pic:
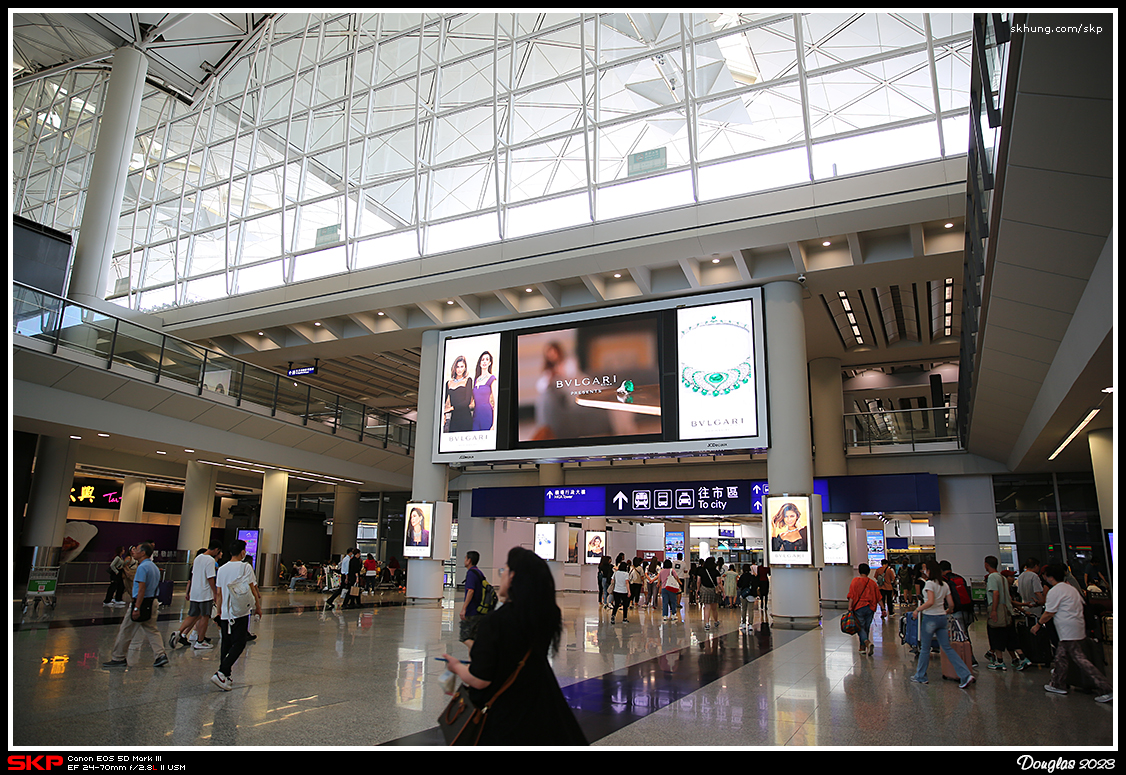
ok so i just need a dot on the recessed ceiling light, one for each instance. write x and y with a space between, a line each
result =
949 225
715 260
161 452
189 450
617 274
826 243
317 323
527 290
76 437
104 435
1109 389
450 301
379 313
260 333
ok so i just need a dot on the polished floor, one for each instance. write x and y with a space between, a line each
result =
369 677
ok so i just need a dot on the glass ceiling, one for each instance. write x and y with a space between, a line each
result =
341 142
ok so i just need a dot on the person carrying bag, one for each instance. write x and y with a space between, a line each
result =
864 598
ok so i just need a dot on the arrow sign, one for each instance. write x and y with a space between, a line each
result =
620 500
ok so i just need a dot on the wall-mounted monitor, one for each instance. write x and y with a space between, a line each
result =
787 522
671 376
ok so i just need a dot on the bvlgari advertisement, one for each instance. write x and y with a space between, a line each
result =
835 541
787 519
599 380
417 540
468 393
717 387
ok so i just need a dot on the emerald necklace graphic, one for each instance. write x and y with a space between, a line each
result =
715 381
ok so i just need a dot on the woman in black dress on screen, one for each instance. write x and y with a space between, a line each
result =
459 397
533 710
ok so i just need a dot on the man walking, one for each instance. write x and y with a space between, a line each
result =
474 586
200 595
355 567
236 595
141 614
1064 607
1002 633
345 561
885 576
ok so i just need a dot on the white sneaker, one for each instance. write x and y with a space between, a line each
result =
119 604
1105 697
222 681
201 646
1054 690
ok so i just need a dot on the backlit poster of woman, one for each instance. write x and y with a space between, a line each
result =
416 536
788 523
467 394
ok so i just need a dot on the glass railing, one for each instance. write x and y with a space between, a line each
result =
909 430
66 325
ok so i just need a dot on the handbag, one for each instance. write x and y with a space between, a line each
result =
672 583
850 625
462 722
354 590
146 610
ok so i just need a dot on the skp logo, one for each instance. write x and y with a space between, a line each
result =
16 762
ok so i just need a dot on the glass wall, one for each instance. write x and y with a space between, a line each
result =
1052 517
343 141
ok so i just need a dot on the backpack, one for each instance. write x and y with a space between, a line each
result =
488 600
960 591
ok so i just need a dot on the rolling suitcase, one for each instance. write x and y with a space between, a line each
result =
963 650
163 591
1037 648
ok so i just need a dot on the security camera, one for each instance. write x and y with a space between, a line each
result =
801 279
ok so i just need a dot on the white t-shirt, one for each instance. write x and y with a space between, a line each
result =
1067 604
940 591
231 573
621 582
203 568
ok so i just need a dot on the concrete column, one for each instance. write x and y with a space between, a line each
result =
794 598
1102 461
199 504
430 480
965 531
271 521
345 519
133 499
102 210
826 397
49 500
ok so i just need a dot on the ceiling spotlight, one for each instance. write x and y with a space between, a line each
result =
826 243
189 450
160 452
715 260
450 301
379 313
104 435
949 225
261 333
76 437
617 274
527 290
317 323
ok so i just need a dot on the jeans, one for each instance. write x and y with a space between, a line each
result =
864 616
935 627
668 603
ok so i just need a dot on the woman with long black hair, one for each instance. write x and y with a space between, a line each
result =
529 626
709 594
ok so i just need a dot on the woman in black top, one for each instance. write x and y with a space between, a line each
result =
533 710
605 576
459 397
709 596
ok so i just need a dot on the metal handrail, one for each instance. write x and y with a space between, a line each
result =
914 427
40 315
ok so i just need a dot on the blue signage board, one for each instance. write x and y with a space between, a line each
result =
578 501
654 499
759 491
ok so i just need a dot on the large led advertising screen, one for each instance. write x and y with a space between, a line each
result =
716 371
670 376
471 369
589 381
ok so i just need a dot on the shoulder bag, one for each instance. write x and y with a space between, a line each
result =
462 722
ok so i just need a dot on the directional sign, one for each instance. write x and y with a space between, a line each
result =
679 498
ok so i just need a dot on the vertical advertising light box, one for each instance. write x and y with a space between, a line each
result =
595 547
835 541
545 540
417 537
787 522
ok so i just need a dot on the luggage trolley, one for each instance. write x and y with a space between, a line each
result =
42 586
